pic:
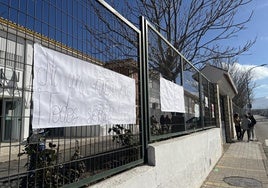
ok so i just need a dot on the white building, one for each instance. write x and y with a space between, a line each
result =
15 66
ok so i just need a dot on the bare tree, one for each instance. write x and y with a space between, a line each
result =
109 39
243 80
197 27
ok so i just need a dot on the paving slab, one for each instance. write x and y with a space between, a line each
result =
242 165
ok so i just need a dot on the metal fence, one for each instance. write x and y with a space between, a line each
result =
166 63
90 32
85 30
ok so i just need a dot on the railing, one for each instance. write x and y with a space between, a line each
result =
89 32
166 63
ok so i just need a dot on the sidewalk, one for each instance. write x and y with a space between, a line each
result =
242 165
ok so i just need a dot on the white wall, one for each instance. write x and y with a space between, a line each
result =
182 162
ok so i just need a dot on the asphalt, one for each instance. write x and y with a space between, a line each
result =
243 164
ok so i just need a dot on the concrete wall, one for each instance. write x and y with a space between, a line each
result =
180 162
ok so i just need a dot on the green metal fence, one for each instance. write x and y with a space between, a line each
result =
88 32
164 62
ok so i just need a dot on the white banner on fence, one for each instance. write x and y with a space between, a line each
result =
70 92
171 97
196 110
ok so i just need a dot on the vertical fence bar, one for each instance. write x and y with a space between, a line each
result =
144 87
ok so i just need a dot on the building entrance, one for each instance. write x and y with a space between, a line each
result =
10 119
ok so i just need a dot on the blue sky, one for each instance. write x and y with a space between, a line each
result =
258 54
257 27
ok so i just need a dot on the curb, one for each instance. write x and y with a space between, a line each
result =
264 158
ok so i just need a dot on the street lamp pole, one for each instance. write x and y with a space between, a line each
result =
249 105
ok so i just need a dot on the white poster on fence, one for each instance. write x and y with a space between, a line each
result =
196 110
70 92
206 102
171 97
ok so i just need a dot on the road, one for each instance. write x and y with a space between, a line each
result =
261 131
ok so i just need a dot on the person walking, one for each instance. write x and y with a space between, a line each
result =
252 125
245 126
237 123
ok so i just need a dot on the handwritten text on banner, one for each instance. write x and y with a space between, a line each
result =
70 92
